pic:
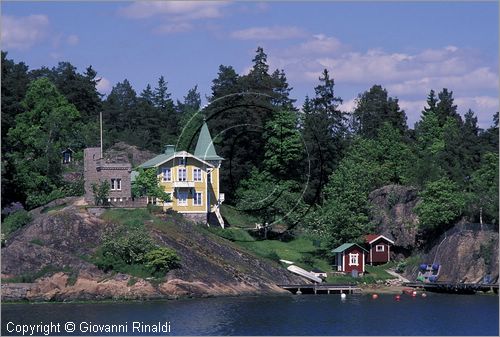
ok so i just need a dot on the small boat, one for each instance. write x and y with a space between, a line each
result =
304 273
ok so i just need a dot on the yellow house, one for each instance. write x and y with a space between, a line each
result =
192 180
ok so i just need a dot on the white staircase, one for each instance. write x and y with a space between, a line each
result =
219 217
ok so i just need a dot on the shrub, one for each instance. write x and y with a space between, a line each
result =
129 246
15 221
101 193
38 199
161 260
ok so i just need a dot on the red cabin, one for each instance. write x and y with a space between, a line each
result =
379 249
350 257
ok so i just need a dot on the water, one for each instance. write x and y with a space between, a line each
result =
437 314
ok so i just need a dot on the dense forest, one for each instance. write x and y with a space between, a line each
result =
311 166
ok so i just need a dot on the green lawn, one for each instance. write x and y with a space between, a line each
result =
237 218
132 218
301 250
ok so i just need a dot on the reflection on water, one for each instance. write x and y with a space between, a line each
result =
286 315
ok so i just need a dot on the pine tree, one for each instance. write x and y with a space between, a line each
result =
445 108
191 119
374 108
324 132
168 118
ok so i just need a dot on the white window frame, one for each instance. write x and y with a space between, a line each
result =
195 199
380 248
168 177
179 173
185 202
116 184
353 259
182 161
197 169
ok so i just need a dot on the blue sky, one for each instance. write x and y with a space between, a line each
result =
408 48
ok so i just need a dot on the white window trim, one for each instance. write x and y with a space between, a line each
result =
179 199
380 248
179 173
201 174
182 161
114 181
163 174
201 199
353 259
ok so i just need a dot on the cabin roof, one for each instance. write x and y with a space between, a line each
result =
163 158
371 238
205 146
346 246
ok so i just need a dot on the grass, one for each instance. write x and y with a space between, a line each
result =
132 218
53 209
372 275
301 250
232 234
237 218
37 241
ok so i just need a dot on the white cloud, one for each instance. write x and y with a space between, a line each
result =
72 40
104 86
410 74
318 44
23 32
480 78
348 105
268 33
174 10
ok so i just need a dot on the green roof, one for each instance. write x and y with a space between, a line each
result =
345 246
205 147
156 160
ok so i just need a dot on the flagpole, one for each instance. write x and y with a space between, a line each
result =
100 118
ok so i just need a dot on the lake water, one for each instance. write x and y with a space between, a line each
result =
437 314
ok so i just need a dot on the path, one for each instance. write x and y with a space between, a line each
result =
393 273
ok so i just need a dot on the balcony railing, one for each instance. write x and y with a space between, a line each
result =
183 183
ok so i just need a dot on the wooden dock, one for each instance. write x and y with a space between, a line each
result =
321 288
453 288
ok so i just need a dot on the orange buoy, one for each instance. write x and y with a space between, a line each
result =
374 296
397 297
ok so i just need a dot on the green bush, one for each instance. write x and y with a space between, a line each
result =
75 188
38 199
161 260
130 246
101 193
400 267
132 251
15 221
